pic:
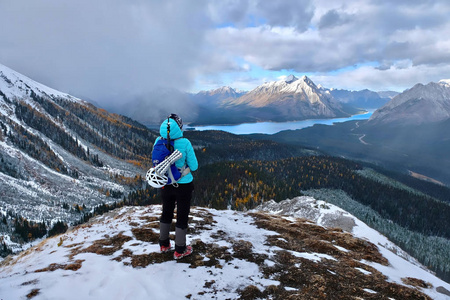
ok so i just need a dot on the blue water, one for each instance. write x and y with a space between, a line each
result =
274 127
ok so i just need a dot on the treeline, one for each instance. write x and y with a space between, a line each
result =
42 123
35 147
245 184
431 251
437 191
115 134
28 230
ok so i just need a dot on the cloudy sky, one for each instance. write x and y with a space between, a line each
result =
106 50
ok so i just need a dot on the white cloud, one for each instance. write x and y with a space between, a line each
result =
399 35
400 76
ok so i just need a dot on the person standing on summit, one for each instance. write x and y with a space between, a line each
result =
177 193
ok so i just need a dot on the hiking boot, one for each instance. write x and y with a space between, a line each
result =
165 249
187 251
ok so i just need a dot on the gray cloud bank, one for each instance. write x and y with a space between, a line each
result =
127 55
351 33
108 50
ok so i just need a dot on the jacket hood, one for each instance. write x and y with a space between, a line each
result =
175 131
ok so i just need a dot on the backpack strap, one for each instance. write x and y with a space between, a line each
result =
172 179
169 147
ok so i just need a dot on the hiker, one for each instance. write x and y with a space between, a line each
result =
177 193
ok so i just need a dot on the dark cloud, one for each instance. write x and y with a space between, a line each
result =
251 13
114 51
151 108
295 13
229 12
384 65
106 50
333 18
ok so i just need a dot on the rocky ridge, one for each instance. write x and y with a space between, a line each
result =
422 104
254 255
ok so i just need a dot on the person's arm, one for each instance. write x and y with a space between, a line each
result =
191 159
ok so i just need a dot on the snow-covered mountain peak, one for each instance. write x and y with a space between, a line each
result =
290 84
291 98
290 79
445 82
15 85
224 89
221 89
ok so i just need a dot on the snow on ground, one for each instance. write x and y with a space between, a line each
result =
99 278
116 256
326 214
14 84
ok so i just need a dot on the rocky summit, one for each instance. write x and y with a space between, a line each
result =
237 255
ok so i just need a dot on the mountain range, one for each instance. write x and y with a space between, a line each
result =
287 99
410 133
364 99
290 99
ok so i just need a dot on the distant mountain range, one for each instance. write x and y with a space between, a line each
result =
217 97
410 133
364 99
283 100
288 99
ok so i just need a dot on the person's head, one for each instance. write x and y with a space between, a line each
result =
177 120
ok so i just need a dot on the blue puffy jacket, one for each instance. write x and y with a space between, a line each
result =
183 145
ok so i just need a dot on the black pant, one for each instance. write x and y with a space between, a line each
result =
181 196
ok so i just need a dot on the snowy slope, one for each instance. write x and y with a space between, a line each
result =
56 154
329 215
421 104
16 85
249 255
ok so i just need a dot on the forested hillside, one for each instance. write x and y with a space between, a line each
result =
216 146
60 158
